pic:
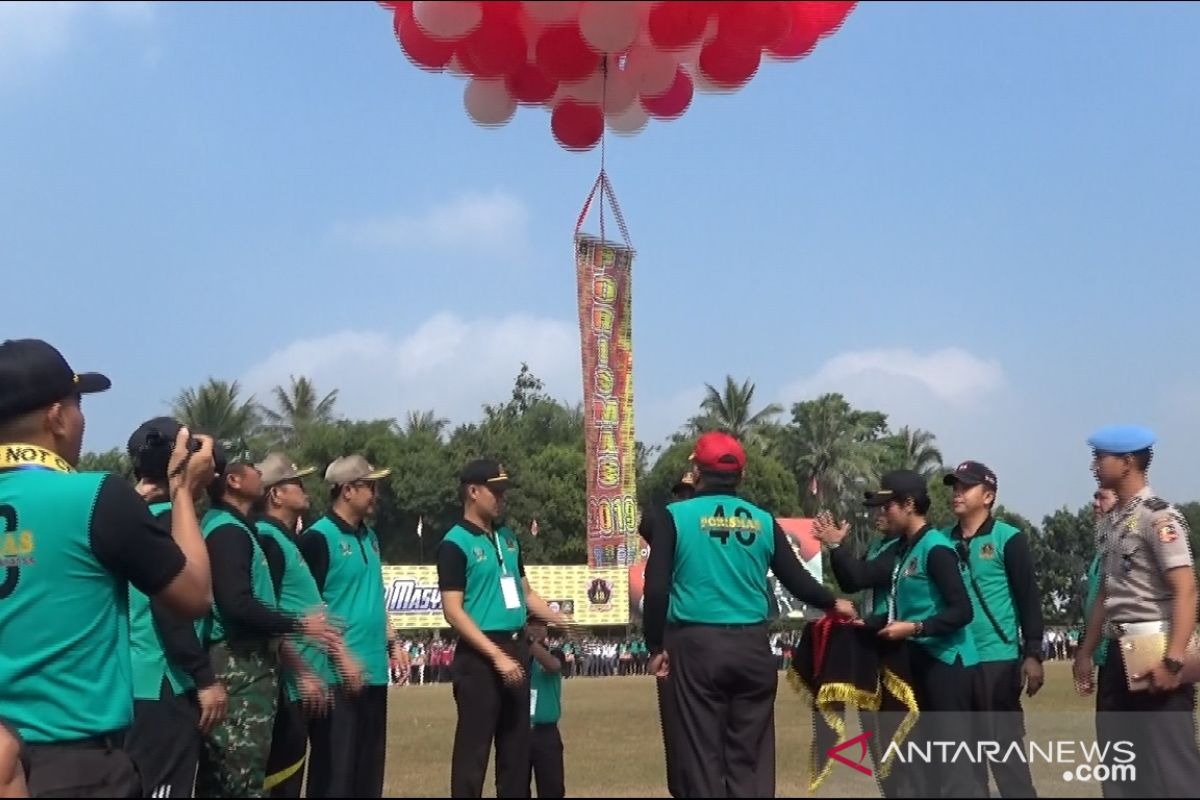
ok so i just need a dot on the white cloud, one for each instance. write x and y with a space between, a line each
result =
473 221
448 364
953 376
32 33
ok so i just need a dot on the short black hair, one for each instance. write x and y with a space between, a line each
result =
921 504
720 481
1142 459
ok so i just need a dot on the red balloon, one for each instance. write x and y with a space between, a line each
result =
673 102
496 48
577 126
676 26
528 84
754 24
826 16
425 52
563 54
727 65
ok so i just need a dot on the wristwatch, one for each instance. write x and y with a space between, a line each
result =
918 628
1173 666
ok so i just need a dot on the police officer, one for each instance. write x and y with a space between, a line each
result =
870 574
349 744
1148 588
1007 622
707 578
177 697
243 635
309 675
72 540
485 599
929 606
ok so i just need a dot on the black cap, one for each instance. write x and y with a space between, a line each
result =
971 473
33 375
899 485
151 445
485 472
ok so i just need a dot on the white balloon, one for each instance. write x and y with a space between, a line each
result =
628 122
588 90
610 26
488 102
455 66
703 85
620 92
551 10
651 70
447 19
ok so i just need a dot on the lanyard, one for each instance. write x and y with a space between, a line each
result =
19 456
500 554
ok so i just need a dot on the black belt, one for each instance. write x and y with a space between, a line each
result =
503 636
114 740
722 625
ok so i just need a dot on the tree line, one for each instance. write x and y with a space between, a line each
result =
819 455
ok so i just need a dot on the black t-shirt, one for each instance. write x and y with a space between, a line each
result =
129 542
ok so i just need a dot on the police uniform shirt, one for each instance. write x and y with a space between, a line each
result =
70 541
1143 541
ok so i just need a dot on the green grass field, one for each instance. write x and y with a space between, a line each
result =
614 747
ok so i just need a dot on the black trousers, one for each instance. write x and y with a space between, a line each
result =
546 760
1154 733
164 742
289 746
490 711
95 768
882 725
349 746
996 701
724 683
944 697
669 722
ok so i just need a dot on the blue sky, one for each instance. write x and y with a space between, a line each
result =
980 218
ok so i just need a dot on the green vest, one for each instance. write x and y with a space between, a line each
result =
985 570
146 654
487 562
354 596
877 599
1094 577
298 597
545 695
917 598
64 618
260 574
723 548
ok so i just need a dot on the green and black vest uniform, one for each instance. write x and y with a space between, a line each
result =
298 597
488 560
723 548
995 625
916 598
147 653
1095 576
345 564
545 692
871 574
217 629
70 545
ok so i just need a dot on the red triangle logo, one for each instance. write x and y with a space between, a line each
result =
835 752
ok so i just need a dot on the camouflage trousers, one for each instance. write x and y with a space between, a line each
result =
233 759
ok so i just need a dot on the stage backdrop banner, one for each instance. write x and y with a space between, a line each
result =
603 273
585 596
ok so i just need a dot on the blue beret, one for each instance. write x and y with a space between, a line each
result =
1120 439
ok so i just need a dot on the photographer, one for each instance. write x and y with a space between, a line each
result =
176 696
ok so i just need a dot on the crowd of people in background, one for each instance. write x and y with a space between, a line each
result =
430 657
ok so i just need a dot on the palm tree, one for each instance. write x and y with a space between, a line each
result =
731 410
297 407
215 409
425 422
918 452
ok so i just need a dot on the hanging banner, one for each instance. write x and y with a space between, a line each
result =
603 275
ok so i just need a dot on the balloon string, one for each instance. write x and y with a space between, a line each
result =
603 137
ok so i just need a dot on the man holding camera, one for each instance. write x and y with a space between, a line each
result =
79 540
176 694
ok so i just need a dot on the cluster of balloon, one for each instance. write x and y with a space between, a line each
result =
609 63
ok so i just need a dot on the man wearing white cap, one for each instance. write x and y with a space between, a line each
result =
349 745
309 673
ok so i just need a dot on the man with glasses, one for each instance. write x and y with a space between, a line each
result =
349 745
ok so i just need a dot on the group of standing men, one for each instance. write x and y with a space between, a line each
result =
152 653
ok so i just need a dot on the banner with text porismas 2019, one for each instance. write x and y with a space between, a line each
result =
603 273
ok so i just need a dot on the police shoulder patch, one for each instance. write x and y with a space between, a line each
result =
1167 534
1157 504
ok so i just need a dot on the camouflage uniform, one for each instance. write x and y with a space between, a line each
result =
233 760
